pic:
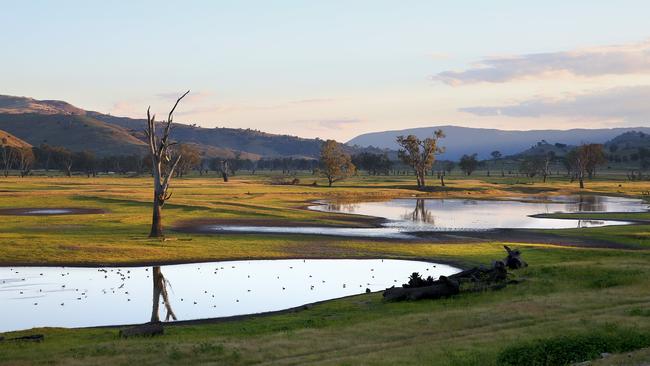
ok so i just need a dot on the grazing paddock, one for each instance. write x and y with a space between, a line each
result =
566 291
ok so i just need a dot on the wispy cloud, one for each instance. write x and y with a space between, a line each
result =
311 101
586 62
630 104
333 124
193 96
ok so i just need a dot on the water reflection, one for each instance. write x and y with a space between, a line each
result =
80 297
470 214
339 206
160 284
420 213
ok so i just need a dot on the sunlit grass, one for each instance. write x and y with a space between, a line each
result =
565 290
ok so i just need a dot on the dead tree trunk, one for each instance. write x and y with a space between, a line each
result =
160 289
162 165
224 170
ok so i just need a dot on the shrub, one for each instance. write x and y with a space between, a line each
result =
568 349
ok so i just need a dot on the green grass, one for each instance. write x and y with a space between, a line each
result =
565 291
569 349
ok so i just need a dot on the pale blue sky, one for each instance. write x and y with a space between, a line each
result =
329 68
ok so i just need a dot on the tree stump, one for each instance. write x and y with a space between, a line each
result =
513 260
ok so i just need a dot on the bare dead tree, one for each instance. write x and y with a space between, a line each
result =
162 165
160 289
8 156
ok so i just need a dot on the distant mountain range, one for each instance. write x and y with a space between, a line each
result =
466 140
60 123
27 121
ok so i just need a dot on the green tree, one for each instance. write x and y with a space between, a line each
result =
420 154
336 164
468 164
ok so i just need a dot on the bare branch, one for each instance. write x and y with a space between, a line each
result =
171 113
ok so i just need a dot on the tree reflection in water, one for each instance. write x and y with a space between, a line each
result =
160 289
340 206
420 214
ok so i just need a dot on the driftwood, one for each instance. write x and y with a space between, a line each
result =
144 330
443 287
471 280
513 260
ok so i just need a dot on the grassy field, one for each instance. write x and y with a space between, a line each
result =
566 290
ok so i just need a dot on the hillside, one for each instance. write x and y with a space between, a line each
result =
60 123
543 148
466 140
629 142
8 139
235 139
75 132
20 105
628 150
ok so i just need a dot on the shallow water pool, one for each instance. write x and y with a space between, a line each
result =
82 297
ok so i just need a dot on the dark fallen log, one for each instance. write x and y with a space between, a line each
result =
496 273
444 287
471 280
144 330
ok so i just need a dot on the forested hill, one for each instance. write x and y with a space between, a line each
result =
62 124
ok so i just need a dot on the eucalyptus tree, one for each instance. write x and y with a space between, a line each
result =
163 165
420 154
336 163
468 164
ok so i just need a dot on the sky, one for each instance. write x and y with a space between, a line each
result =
336 69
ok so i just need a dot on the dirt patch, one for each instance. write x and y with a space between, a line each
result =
50 211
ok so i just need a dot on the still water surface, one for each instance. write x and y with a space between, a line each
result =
81 297
408 215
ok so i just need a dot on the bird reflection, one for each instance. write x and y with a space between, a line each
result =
160 284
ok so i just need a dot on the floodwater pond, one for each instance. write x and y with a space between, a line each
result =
82 297
409 215
49 211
